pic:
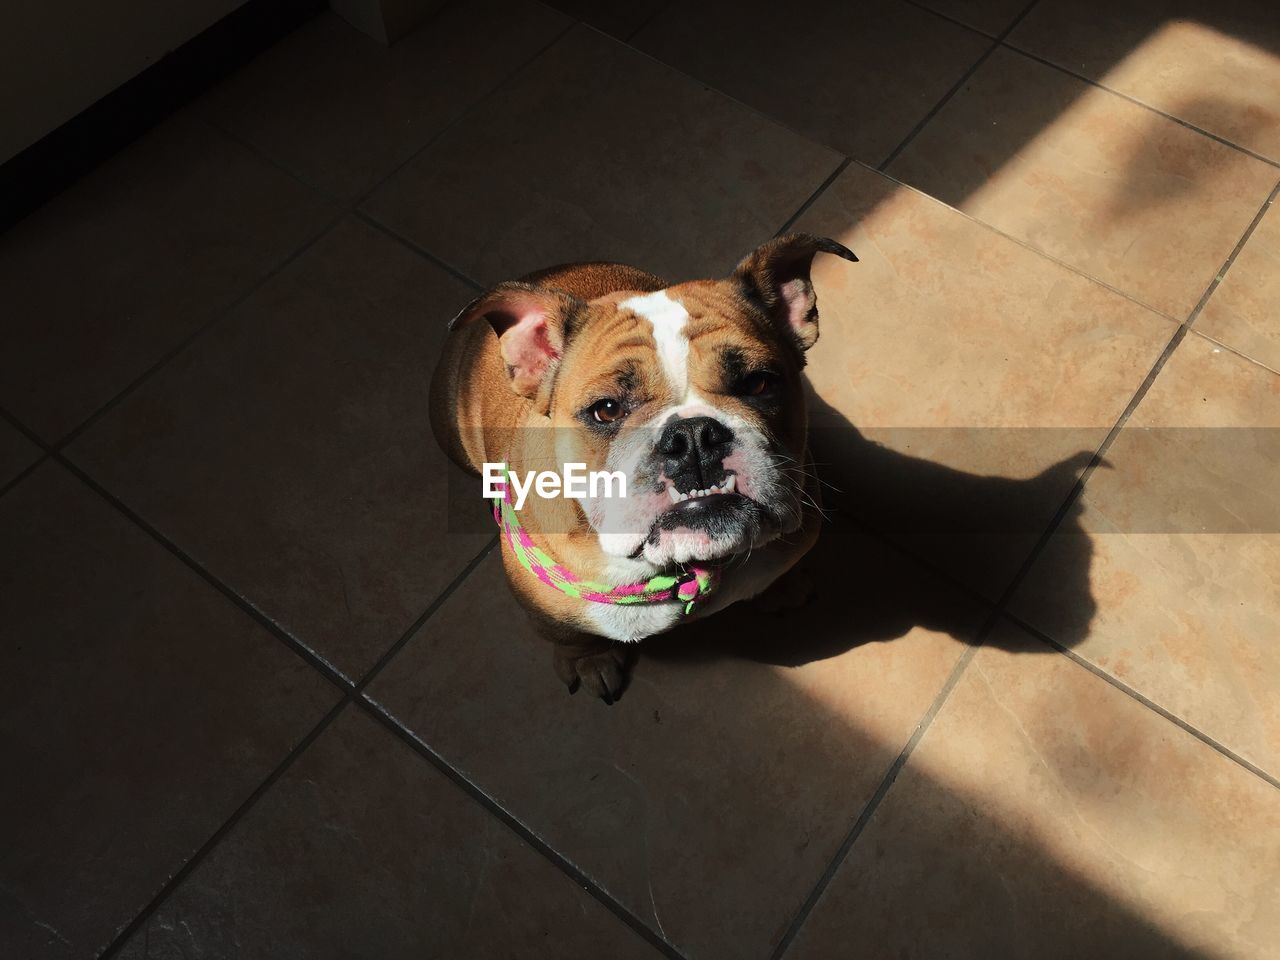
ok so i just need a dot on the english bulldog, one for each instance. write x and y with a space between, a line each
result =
691 393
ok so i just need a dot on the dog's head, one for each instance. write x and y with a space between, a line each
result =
692 392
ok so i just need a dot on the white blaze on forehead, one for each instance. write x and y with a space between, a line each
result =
668 318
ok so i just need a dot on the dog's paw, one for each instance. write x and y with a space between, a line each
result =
602 671
790 591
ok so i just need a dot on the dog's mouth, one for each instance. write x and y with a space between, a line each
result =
727 486
728 517
700 510
712 507
708 519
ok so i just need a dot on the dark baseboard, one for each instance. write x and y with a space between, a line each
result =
53 163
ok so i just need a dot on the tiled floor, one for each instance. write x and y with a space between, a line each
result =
265 695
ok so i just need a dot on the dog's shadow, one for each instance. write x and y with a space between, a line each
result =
888 511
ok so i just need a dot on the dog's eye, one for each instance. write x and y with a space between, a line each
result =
607 410
756 384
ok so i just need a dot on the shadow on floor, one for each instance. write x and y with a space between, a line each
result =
978 529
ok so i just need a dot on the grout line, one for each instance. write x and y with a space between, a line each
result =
23 429
1022 243
6 487
659 10
1099 457
350 693
207 117
474 791
936 108
813 197
868 811
773 121
34 439
426 615
1123 687
354 205
330 672
706 85
349 208
392 234
906 552
1139 103
950 19
207 847
195 335
448 127
956 88
1231 257
1001 39
850 161
616 907
260 154
1235 351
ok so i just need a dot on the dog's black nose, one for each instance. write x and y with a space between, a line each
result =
693 449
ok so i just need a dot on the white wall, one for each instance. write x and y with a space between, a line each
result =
59 56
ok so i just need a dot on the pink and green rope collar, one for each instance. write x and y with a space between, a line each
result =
688 586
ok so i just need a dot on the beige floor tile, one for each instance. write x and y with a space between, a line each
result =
16 453
711 796
1108 187
857 77
341 110
989 16
288 449
1244 312
987 374
1184 529
595 152
1216 65
363 849
138 709
1047 814
103 281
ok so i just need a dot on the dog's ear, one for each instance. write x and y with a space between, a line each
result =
531 324
776 276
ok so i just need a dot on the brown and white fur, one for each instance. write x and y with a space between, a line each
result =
693 388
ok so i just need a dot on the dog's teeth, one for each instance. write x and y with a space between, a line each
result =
728 485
